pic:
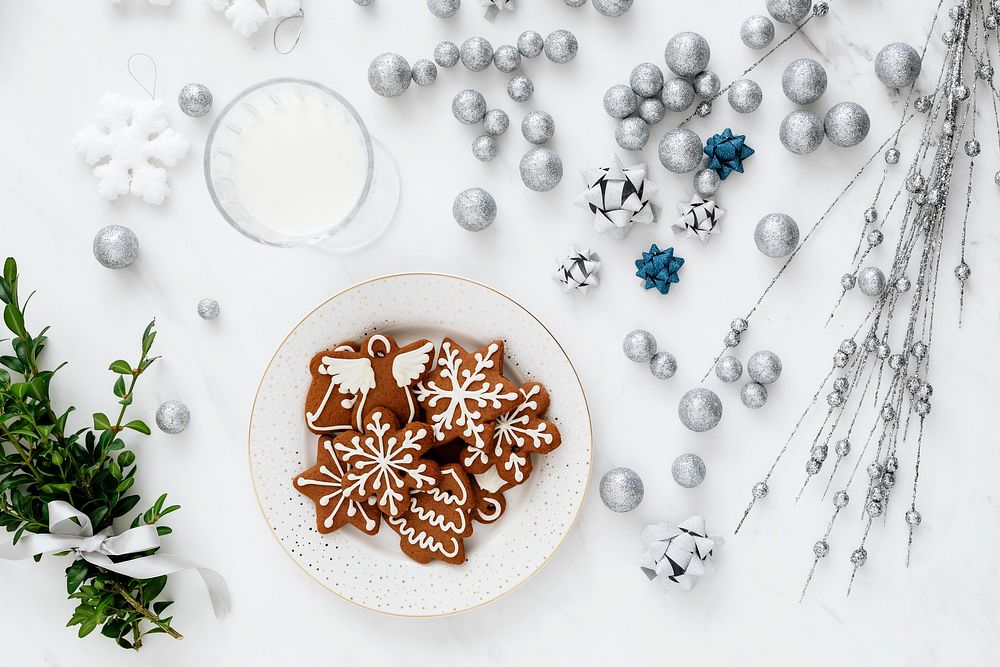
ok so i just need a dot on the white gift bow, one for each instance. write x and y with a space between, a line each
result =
71 530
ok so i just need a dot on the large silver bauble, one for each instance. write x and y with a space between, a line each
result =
541 169
652 110
789 11
208 309
706 182
507 58
620 101
612 8
476 53
173 417
764 367
847 124
757 32
632 134
496 122
804 81
115 246
677 94
621 490
871 281
469 106
520 88
538 127
753 395
474 209
485 147
687 54
646 80
530 44
389 75
707 84
688 470
561 46
663 365
681 150
776 235
801 132
700 409
424 72
728 369
639 345
446 54
745 96
195 99
444 9
897 65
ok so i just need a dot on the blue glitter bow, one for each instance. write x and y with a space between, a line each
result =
727 153
658 268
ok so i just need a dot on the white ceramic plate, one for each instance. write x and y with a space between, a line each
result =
371 571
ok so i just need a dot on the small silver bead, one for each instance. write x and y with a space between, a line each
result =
821 8
841 384
922 407
873 508
963 272
876 493
874 471
848 281
891 464
961 92
871 214
923 104
835 399
913 518
949 36
972 148
985 71
915 183
821 549
956 13
819 453
208 309
871 343
843 447
892 156
859 556
991 21
840 499
888 480
732 339
935 197
840 359
848 346
913 384
703 109
760 490
882 351
925 391
875 238
888 413
919 350
948 128
739 325
812 467
903 284
729 369
897 362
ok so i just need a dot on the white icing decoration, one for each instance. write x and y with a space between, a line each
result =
419 537
513 431
339 378
335 482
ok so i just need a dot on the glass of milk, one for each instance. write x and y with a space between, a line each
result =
289 162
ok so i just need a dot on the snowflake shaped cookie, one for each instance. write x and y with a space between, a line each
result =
437 521
247 16
129 145
386 462
517 435
465 392
324 485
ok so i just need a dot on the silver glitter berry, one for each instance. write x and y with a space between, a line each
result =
115 246
949 36
485 148
538 127
874 508
892 156
972 148
963 272
732 339
871 281
848 346
859 556
891 464
704 109
496 122
757 32
677 94
663 365
706 182
632 134
882 351
922 407
681 150
561 46
745 96
843 448
208 309
871 215
507 58
389 75
520 88
530 44
871 343
739 324
646 80
729 369
821 549
819 453
961 92
897 362
789 11
612 8
652 110
840 499
753 395
687 54
923 104
173 417
875 238
444 9
888 479
424 72
903 284
469 106
991 21
764 367
804 81
688 470
812 467
474 209
919 350
541 169
835 399
700 409
446 54
985 72
621 490
195 99
707 84
846 124
840 359
801 132
821 8
925 391
575 3
760 490
897 65
913 518
776 235
874 470
620 101
888 412
639 345
476 53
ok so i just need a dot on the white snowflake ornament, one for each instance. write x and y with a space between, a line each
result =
699 218
247 16
577 271
619 197
129 145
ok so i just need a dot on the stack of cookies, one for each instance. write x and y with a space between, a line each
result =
405 431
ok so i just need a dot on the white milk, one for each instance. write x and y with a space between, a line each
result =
300 167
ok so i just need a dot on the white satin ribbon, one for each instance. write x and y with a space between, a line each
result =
71 530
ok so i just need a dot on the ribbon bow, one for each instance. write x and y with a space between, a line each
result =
71 530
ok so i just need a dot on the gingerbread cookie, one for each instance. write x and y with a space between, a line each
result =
437 521
324 485
328 410
465 392
386 462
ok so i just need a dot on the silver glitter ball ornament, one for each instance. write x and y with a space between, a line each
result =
538 127
663 365
507 59
208 309
115 246
875 238
757 32
892 156
848 346
469 106
846 124
474 209
485 147
476 53
646 80
424 72
688 470
913 384
972 148
843 448
859 557
195 99
841 499
632 134
677 94
541 169
801 132
639 345
575 3
760 490
444 9
888 412
776 235
446 54
520 88
621 490
389 75
700 409
821 549
963 272
496 122
871 281
612 8
707 84
173 417
687 54
530 44
728 369
652 110
753 395
764 367
897 65
871 343
804 81
888 479
620 101
739 325
789 11
956 13
706 182
745 96
704 109
561 46
681 150
913 518
925 390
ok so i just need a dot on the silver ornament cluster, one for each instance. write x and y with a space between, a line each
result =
640 346
621 489
195 99
115 247
173 417
474 209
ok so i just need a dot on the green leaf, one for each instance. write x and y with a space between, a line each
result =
138 425
76 574
152 588
124 505
126 458
121 367
120 389
101 422
164 530
160 607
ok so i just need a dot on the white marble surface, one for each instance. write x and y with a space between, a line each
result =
590 604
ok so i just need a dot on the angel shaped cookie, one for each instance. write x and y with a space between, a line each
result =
324 485
437 521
